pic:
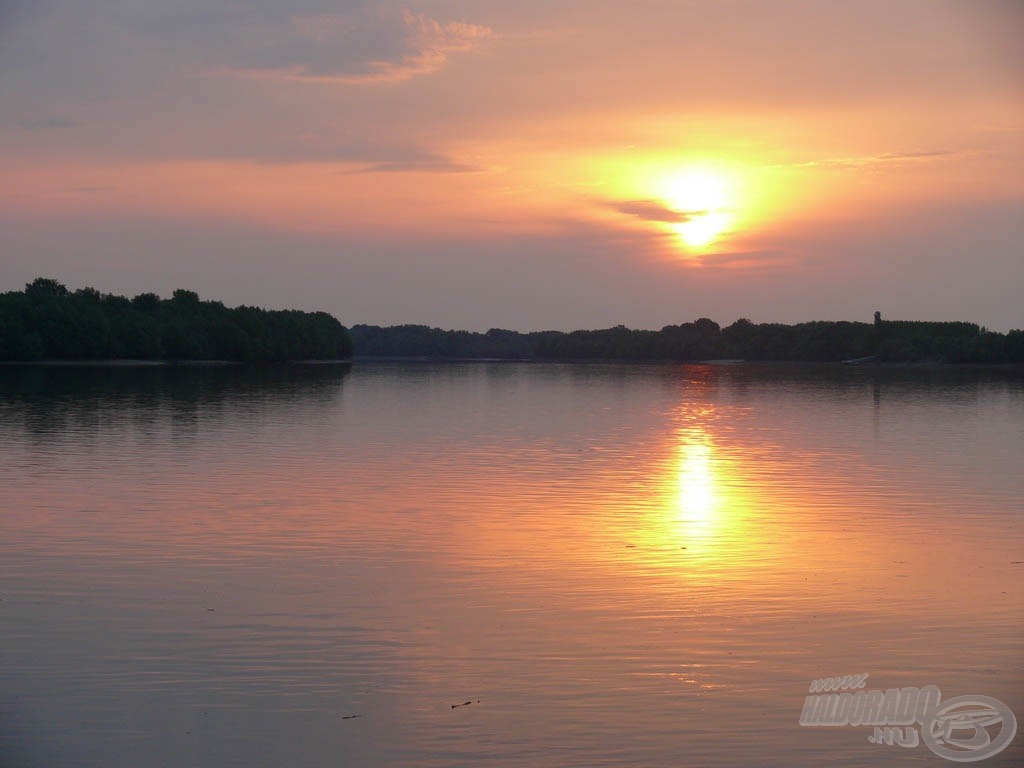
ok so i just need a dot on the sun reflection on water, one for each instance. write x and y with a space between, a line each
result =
701 511
698 515
697 499
704 521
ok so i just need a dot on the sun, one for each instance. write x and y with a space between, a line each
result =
702 199
703 229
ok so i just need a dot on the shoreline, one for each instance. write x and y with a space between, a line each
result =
130 363
656 361
427 359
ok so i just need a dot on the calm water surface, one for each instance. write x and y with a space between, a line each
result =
617 565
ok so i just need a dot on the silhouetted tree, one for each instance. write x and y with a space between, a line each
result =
45 287
47 321
703 339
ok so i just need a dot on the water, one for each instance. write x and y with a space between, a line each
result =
617 565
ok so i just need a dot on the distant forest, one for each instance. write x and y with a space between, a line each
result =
888 341
46 321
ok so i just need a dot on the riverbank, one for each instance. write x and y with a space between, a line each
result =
130 363
426 359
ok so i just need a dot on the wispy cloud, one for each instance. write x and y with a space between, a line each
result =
765 259
438 165
47 124
388 49
654 210
873 161
90 190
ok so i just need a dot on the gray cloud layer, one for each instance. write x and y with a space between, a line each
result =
354 48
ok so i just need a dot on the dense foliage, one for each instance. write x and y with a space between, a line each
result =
705 340
47 321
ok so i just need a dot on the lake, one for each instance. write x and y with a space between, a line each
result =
500 564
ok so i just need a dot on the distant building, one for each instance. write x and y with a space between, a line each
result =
926 328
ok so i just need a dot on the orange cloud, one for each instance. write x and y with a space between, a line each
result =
874 161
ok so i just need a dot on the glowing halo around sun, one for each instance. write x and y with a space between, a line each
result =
694 206
702 197
703 229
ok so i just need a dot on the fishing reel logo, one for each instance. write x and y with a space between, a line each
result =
960 729
963 729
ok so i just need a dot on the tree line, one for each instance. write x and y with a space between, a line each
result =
48 321
704 339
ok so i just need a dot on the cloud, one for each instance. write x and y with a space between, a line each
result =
356 48
654 210
914 155
747 259
433 165
47 124
873 161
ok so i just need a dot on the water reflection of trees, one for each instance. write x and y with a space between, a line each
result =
49 401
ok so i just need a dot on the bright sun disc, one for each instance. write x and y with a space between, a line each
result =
704 229
703 198
697 191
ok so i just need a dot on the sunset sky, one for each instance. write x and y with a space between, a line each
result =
528 165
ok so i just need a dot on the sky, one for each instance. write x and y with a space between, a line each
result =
530 165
